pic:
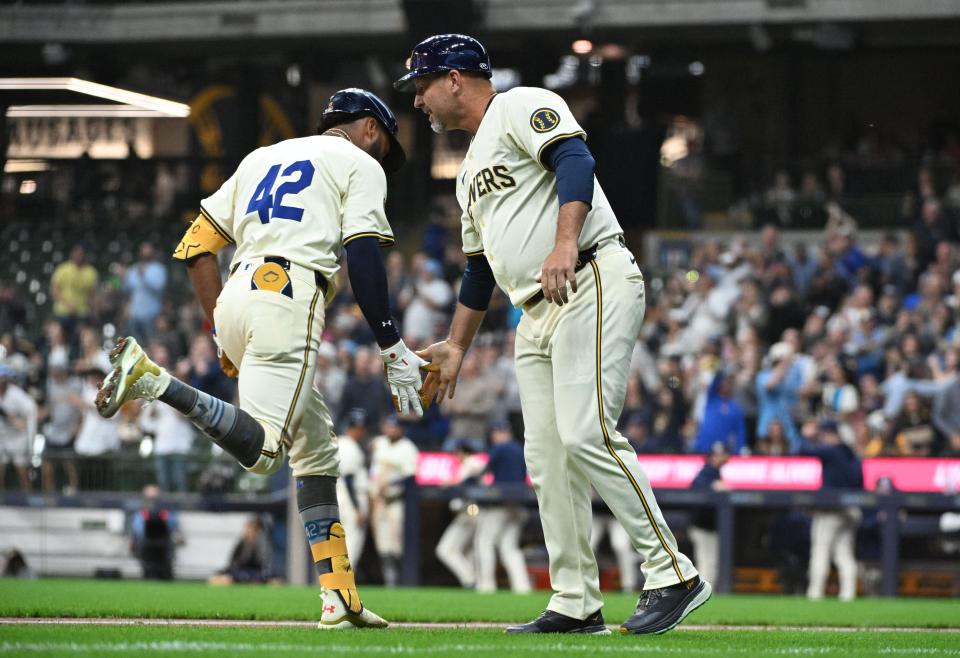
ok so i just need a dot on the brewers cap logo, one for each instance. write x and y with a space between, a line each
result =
544 120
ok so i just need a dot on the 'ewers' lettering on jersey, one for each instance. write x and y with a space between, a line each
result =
490 179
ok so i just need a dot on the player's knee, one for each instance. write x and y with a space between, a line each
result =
273 453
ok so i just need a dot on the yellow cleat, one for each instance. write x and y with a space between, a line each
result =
134 377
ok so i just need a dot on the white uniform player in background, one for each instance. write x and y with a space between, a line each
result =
626 555
393 459
290 208
353 489
455 547
18 426
536 222
501 523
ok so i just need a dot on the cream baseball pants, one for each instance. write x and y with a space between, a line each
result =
572 367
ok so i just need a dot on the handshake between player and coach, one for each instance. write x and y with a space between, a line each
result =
411 393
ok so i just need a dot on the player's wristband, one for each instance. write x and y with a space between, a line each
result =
368 278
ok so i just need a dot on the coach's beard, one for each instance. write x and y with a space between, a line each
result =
437 125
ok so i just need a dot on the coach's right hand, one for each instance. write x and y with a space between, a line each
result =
403 376
445 359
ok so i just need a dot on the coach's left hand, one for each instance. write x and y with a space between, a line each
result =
558 269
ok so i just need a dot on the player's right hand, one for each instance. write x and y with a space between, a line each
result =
445 359
403 375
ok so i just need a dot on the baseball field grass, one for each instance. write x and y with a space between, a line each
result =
114 618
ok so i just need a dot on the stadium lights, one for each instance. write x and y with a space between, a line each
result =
25 166
160 106
582 46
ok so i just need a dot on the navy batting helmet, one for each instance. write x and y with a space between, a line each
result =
445 52
349 104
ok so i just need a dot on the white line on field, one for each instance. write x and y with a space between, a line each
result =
402 649
260 623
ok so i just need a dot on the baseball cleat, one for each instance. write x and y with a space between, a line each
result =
336 616
660 610
134 377
553 622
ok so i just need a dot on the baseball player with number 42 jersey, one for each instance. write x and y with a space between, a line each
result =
290 208
536 222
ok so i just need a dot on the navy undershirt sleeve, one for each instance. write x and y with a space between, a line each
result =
368 278
574 166
477 284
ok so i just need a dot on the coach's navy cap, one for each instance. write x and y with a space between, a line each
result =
445 52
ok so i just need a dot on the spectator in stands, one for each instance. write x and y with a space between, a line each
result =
18 426
427 302
809 211
912 432
97 438
836 183
931 229
251 560
201 369
841 400
167 335
397 279
477 397
55 348
71 288
154 536
92 355
833 531
330 378
775 443
393 462
703 527
501 523
172 435
669 415
365 389
144 282
704 312
946 416
778 386
828 287
506 372
723 420
784 312
61 417
779 199
13 312
892 265
803 265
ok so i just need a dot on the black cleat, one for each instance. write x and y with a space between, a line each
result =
659 610
553 622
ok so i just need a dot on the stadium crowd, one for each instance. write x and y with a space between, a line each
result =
757 344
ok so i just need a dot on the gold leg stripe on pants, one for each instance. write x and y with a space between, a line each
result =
306 363
606 434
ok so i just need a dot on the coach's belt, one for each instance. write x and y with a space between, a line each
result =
584 258
318 278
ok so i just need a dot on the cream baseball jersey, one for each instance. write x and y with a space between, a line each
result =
509 196
302 199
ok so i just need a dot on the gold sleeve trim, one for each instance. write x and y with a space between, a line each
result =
473 253
554 140
219 229
383 238
201 237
